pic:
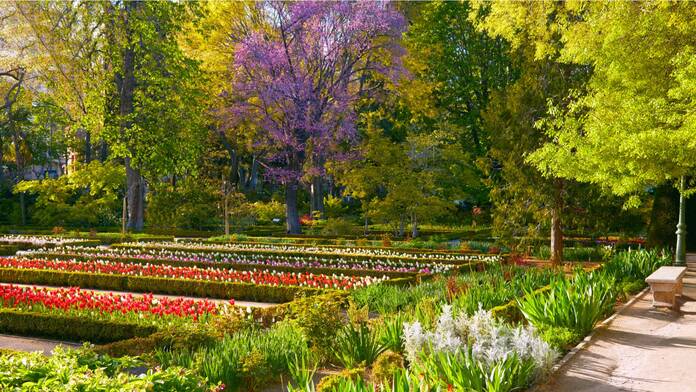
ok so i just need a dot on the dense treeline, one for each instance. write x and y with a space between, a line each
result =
220 115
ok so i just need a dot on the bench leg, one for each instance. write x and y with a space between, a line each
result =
664 299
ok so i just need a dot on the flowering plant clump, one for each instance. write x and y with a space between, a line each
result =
84 301
38 240
268 260
273 278
315 250
489 340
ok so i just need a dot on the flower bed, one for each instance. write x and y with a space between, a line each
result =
32 240
244 261
74 298
266 277
270 250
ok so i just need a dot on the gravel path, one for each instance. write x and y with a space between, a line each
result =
643 349
237 303
19 343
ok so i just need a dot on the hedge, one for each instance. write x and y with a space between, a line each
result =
70 328
234 266
157 285
9 250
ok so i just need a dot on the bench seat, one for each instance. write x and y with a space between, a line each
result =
666 284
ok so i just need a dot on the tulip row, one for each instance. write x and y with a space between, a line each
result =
83 302
305 251
273 278
231 259
38 240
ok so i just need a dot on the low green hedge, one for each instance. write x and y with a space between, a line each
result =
149 284
70 328
234 266
9 250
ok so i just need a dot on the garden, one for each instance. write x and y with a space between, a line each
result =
348 196
154 314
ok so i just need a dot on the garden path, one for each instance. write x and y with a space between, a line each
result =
243 304
20 343
643 349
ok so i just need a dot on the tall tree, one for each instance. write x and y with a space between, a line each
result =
155 124
299 79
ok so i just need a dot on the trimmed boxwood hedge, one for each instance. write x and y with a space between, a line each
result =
70 328
150 284
234 266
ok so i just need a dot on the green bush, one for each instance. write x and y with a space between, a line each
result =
88 196
150 284
560 338
70 328
338 227
191 204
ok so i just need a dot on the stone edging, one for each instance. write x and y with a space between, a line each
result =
586 341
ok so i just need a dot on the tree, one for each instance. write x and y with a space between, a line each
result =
522 193
154 123
633 128
298 80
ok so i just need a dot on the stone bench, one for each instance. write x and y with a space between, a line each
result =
666 284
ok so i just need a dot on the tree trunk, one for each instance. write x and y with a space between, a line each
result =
414 226
317 197
402 226
292 215
663 217
19 163
136 198
88 146
126 83
254 175
556 225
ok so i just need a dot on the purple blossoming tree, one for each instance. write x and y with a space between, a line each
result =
299 76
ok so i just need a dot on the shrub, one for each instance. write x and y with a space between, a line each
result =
319 318
338 227
560 338
386 366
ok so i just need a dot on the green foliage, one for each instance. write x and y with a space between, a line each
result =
302 368
463 372
69 327
191 204
391 331
338 227
386 366
82 370
320 319
577 304
596 254
357 346
88 196
561 338
633 266
265 212
247 358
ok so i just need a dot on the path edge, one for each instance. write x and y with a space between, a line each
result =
587 340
